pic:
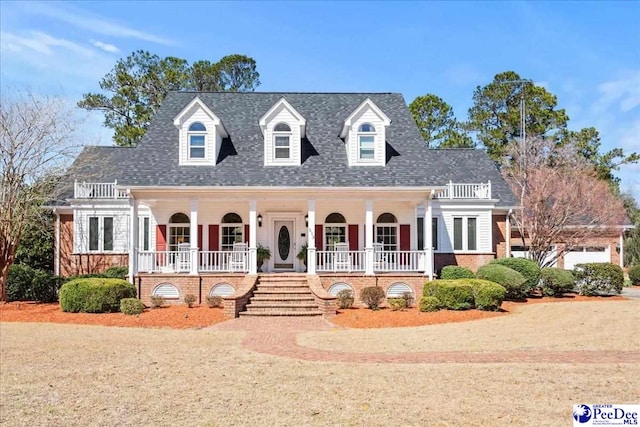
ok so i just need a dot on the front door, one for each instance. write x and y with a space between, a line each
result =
284 253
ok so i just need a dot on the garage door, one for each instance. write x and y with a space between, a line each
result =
584 254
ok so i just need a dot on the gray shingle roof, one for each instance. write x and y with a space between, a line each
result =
241 163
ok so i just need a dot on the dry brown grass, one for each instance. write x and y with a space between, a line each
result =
53 374
601 325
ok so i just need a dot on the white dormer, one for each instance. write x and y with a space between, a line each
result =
364 133
200 134
283 129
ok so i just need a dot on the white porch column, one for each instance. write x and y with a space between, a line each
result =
428 238
193 237
368 237
253 237
311 237
133 237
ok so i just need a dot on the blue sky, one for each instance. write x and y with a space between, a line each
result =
586 53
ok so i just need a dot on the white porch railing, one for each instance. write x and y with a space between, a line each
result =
333 261
467 191
98 190
399 261
180 261
164 262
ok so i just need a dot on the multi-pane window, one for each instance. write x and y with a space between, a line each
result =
387 232
366 142
197 136
335 230
179 232
231 231
101 233
465 234
282 141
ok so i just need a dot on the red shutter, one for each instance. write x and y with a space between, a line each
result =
161 237
199 237
405 237
319 237
214 237
246 233
353 237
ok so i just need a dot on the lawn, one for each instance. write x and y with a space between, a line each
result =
57 374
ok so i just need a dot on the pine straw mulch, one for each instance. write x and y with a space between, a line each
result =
200 316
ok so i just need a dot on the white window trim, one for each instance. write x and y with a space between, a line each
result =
281 134
141 233
204 147
389 225
221 234
100 249
465 234
324 233
359 135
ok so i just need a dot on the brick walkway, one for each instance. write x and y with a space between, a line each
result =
277 337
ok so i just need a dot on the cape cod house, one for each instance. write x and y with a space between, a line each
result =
218 176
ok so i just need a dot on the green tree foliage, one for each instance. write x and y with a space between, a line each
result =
134 89
437 124
36 243
495 114
632 240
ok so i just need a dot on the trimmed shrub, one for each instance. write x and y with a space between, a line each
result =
31 284
450 272
344 299
429 304
487 296
131 306
116 273
528 268
634 275
452 294
157 301
95 295
372 296
556 281
510 279
190 300
595 277
214 301
397 303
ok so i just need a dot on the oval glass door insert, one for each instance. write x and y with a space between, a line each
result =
284 242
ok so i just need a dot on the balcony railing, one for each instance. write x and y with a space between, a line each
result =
466 191
98 190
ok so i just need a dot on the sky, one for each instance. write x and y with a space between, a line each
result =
586 53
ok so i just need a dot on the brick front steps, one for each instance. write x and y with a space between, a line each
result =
282 295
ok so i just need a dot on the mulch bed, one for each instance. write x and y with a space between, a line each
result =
182 317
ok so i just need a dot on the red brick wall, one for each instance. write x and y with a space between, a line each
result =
499 235
186 284
360 281
472 261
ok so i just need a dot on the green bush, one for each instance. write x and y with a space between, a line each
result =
131 306
213 301
372 296
345 299
529 269
31 284
595 277
510 279
116 272
634 275
95 295
190 300
487 296
556 281
452 294
429 304
157 301
450 272
397 303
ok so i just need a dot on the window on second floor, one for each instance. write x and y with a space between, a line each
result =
197 140
366 142
282 141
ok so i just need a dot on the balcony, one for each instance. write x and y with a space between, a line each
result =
480 191
98 190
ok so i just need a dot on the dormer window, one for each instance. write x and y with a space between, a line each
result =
366 142
282 141
197 137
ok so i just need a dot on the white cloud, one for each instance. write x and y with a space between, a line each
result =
40 43
105 46
96 24
623 92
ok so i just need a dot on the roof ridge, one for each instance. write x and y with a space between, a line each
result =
287 92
